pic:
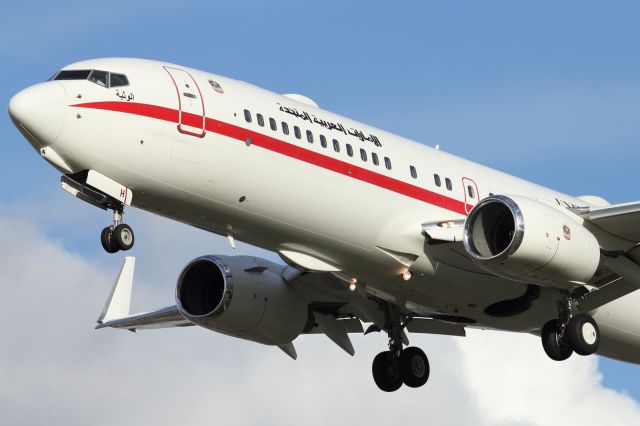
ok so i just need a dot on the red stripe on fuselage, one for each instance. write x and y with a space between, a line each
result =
285 148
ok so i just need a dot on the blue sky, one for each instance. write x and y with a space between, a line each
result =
548 91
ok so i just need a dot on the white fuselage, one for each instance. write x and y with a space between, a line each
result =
180 140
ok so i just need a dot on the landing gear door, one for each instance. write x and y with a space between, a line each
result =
191 119
471 195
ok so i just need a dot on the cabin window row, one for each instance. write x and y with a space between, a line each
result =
447 182
309 136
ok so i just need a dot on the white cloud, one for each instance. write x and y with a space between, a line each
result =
55 369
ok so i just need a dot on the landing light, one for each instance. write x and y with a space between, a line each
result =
448 224
352 284
406 275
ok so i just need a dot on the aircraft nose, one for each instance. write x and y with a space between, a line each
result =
38 112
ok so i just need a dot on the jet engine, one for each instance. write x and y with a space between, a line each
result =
526 240
243 297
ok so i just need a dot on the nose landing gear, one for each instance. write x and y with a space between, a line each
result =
118 236
396 366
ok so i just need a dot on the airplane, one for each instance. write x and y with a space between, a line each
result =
372 228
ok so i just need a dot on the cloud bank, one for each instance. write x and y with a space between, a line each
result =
56 369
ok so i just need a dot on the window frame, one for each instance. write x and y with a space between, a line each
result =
285 127
272 124
336 145
297 133
247 116
349 150
413 172
260 119
374 159
387 163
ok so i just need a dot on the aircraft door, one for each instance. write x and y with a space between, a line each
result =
471 195
191 119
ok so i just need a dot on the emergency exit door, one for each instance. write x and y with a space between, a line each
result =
191 120
471 196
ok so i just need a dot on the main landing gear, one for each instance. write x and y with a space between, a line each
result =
118 236
570 333
396 366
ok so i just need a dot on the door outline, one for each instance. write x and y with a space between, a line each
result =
469 182
181 124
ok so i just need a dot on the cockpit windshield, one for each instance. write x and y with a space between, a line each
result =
101 78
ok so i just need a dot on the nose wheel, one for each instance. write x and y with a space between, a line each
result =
118 236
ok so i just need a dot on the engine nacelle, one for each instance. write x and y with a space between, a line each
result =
529 241
243 297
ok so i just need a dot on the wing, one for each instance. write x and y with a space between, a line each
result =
337 311
621 220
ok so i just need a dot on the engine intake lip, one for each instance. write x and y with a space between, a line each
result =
200 295
488 252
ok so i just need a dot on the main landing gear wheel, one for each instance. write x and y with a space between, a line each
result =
583 334
396 366
385 372
413 366
555 346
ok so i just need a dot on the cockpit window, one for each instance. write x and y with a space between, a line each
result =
118 80
73 75
101 78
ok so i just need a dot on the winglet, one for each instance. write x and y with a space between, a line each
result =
119 300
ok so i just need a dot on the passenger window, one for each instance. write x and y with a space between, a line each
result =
309 136
349 150
436 178
99 77
374 158
296 131
247 116
260 120
387 163
414 173
363 154
272 124
471 191
323 141
447 182
117 80
285 128
336 145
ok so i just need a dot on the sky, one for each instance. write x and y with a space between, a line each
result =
547 91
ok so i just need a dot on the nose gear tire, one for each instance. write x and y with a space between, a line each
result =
105 240
122 237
